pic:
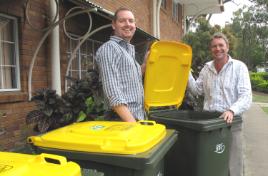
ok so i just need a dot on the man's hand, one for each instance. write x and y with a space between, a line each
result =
143 66
228 116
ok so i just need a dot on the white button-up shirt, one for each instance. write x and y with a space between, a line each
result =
230 89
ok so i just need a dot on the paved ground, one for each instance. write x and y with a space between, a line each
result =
256 141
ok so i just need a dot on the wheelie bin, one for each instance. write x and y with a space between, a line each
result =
204 144
110 148
202 148
16 164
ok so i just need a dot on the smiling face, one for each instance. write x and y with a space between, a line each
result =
124 25
219 49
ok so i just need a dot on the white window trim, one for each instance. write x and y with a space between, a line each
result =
16 45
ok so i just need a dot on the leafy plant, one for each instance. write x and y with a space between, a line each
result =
80 103
50 110
259 81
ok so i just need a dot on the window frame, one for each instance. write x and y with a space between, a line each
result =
164 4
79 56
14 33
175 11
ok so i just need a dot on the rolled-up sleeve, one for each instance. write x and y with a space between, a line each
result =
196 86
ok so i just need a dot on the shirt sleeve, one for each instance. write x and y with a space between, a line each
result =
107 61
244 91
196 86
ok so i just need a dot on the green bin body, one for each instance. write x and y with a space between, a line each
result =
149 163
203 146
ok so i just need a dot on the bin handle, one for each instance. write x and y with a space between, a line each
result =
50 158
147 122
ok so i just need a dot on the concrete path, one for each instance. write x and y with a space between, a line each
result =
256 141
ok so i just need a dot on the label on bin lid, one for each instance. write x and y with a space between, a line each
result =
166 76
103 137
18 164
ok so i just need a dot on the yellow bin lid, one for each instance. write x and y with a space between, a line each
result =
166 76
15 164
103 137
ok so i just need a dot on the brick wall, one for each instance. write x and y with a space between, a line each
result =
169 29
15 105
142 10
15 131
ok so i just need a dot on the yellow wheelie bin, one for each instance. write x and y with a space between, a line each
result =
16 164
110 148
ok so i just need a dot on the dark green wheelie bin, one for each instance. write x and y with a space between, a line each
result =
203 146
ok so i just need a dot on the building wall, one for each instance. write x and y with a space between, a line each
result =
142 9
169 29
15 105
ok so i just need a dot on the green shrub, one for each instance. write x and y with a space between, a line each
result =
263 87
81 102
265 76
259 81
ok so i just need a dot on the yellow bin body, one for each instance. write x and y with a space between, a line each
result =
103 137
15 164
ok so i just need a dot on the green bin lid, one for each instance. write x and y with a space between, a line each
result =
194 120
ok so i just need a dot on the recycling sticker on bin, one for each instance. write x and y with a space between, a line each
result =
219 148
97 127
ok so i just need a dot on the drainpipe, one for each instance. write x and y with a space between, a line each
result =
156 18
55 52
184 20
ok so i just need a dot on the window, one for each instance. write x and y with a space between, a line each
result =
84 59
164 4
9 54
176 11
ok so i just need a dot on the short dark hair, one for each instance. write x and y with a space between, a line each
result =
219 35
119 10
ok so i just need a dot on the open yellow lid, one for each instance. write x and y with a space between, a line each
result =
103 137
16 164
166 76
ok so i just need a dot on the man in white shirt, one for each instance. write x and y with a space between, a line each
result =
226 87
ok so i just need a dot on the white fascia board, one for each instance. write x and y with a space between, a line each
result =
194 9
198 1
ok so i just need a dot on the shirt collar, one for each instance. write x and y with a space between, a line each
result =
118 39
125 44
211 66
